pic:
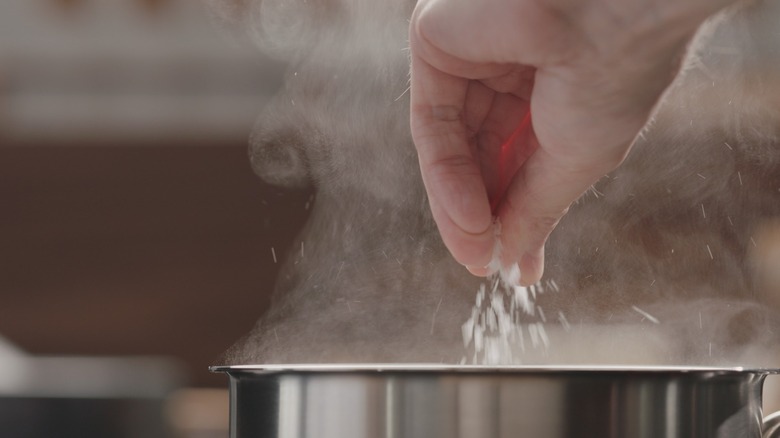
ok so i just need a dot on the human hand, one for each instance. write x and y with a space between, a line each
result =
519 106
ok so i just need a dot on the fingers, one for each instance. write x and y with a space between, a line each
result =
452 177
475 66
449 25
447 110
537 199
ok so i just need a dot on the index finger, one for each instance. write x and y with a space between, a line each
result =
451 173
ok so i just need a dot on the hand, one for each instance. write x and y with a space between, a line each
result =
519 106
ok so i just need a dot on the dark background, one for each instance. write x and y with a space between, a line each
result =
130 220
157 250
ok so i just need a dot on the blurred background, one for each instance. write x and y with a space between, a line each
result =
135 241
136 244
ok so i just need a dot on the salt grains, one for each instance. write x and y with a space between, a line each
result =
494 332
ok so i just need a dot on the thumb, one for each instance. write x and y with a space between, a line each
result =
538 197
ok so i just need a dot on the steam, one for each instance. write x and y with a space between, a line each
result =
669 260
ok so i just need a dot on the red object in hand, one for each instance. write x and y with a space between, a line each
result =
514 152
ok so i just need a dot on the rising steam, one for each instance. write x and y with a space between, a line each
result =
663 262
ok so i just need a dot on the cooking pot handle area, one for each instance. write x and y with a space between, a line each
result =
772 426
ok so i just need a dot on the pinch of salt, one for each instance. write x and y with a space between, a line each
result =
492 352
512 277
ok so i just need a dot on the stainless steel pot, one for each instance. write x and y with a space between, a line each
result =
437 401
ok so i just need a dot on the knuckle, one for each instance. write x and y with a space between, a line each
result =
457 165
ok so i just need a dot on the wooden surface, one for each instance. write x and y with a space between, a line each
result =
112 250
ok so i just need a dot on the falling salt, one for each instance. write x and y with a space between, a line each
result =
467 329
435 312
522 299
710 251
701 176
494 329
494 333
739 175
543 334
302 251
649 317
533 331
520 337
702 211
273 253
753 241
728 146
402 94
492 322
564 322
701 326
478 338
513 276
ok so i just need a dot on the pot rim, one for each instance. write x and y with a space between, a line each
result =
434 368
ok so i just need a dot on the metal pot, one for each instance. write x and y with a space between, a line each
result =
438 401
